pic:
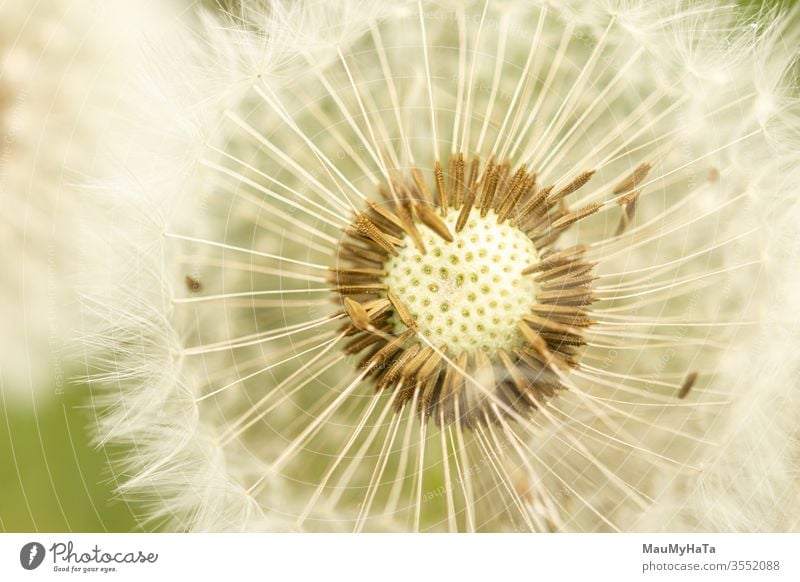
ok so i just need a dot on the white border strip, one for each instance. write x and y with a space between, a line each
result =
400 557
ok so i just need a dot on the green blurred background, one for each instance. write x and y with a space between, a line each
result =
53 479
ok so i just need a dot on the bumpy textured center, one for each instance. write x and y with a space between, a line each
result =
468 294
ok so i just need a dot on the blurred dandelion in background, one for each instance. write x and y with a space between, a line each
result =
61 65
56 98
460 266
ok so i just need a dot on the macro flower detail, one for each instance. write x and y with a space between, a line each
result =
463 276
463 266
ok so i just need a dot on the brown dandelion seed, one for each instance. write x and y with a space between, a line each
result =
688 384
193 284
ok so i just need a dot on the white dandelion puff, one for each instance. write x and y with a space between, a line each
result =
471 266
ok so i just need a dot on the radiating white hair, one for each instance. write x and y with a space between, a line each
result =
218 359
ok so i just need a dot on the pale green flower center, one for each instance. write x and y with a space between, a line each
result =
468 294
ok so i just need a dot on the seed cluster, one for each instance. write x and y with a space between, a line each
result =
461 302
470 293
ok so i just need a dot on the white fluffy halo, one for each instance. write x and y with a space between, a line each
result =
221 360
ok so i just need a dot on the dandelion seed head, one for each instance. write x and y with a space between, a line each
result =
324 357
